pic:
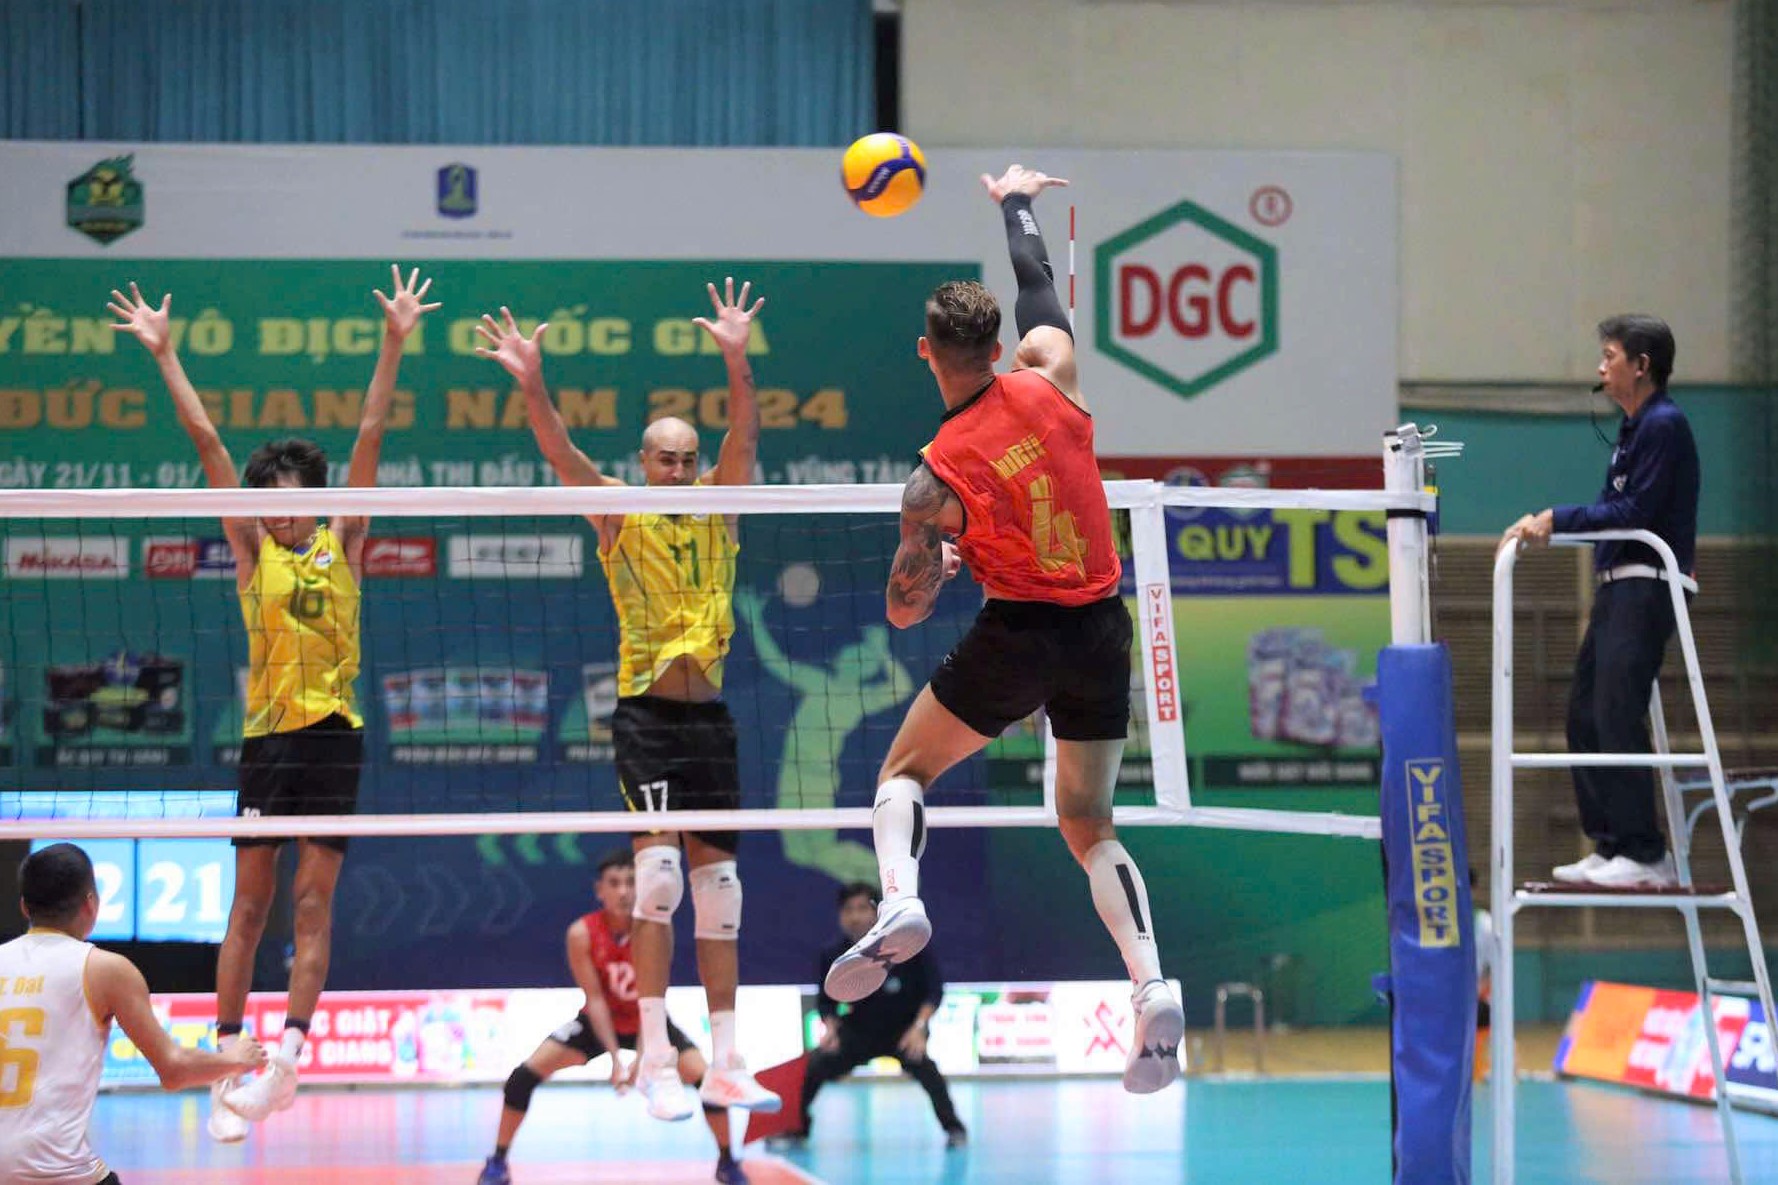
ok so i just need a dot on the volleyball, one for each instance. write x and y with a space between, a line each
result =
884 174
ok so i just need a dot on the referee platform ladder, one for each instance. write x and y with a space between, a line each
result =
1688 898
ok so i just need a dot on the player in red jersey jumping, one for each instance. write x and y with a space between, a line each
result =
599 957
1012 478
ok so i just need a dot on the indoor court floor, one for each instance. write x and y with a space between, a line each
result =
1239 1131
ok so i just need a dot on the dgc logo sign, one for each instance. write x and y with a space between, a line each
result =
1186 298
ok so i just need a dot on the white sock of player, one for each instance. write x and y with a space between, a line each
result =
1122 901
655 1045
722 1039
898 824
291 1044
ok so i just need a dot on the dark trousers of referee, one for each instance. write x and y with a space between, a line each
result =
855 1049
1607 713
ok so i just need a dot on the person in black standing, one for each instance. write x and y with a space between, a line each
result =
1652 484
888 1023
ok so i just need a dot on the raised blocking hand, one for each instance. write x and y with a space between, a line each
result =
402 312
734 320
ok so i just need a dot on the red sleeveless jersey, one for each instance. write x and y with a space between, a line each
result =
1019 457
617 975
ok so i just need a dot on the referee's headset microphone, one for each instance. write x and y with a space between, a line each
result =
1593 417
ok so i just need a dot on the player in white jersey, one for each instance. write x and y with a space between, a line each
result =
58 997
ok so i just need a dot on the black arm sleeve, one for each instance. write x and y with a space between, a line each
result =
1038 303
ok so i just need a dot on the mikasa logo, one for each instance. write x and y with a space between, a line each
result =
67 558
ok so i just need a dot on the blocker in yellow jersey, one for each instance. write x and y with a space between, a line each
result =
672 579
302 613
298 578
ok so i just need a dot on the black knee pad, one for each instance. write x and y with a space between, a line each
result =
519 1086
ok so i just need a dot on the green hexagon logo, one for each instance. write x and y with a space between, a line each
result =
1186 299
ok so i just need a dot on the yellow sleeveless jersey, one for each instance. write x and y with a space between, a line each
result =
673 581
302 637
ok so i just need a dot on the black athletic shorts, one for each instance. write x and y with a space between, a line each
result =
108 1179
1019 656
309 771
676 756
578 1035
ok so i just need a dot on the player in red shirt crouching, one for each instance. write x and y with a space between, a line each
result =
599 957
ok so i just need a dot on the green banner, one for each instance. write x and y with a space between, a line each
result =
285 347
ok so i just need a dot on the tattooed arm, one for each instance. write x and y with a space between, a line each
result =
924 561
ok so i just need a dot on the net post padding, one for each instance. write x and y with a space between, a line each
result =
1146 501
1160 655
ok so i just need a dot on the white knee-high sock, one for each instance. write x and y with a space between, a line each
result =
898 824
722 1038
1122 901
656 1046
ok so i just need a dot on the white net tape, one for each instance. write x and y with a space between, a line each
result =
83 809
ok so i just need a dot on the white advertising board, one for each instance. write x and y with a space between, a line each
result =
1227 302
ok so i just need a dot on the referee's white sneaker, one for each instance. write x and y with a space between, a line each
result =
274 1089
734 1085
667 1097
1581 871
1154 1049
224 1126
1621 872
902 931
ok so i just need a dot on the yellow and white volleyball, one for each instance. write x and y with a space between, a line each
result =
799 584
884 174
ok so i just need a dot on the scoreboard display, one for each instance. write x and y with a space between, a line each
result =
150 890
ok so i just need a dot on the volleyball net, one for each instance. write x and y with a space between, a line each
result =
490 674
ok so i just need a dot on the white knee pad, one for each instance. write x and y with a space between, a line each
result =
716 900
660 885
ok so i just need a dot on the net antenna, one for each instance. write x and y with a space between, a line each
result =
1070 266
1408 453
1405 500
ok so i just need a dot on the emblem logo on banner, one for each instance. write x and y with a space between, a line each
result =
105 202
456 191
413 557
1102 1025
1186 298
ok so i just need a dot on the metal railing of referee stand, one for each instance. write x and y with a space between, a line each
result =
1508 899
1224 992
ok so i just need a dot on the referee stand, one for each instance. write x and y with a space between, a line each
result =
1688 898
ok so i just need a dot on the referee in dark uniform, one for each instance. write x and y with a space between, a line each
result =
1652 485
891 1022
